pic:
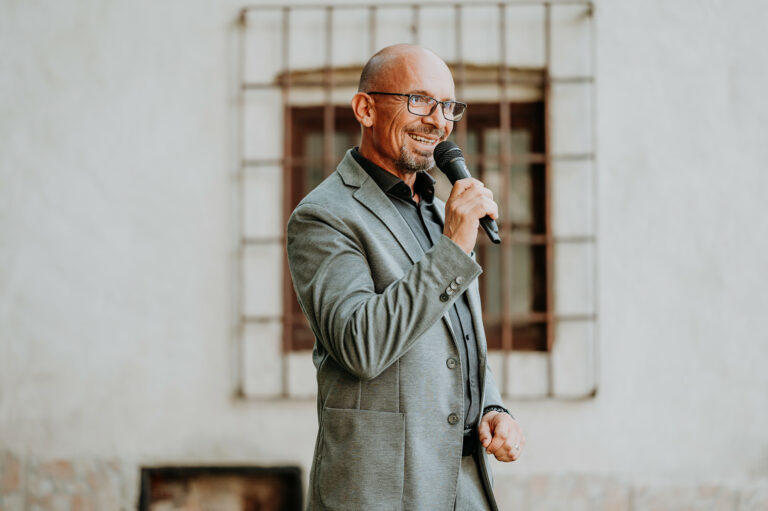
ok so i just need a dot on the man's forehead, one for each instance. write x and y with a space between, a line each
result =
418 73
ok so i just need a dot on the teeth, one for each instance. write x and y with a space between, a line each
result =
421 139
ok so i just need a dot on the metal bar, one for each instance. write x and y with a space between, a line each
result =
549 272
505 122
329 110
573 157
547 239
261 319
260 85
253 241
399 5
239 350
287 202
520 158
534 240
372 29
312 399
595 202
472 159
566 80
415 24
461 133
266 162
539 318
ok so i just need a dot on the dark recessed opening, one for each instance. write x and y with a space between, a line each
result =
221 488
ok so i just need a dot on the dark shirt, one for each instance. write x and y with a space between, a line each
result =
425 223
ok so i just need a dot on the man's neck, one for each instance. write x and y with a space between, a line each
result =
408 178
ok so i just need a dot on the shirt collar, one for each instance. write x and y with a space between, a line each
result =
390 184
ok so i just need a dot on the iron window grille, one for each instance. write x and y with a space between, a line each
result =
510 136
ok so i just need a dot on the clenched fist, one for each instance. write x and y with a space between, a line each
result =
469 201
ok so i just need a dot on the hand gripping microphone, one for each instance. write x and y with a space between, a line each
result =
450 161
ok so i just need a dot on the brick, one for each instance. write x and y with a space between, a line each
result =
39 503
12 502
83 503
59 470
10 473
97 479
690 498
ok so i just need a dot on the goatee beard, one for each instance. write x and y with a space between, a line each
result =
410 163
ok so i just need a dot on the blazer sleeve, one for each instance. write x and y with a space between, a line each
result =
492 396
364 331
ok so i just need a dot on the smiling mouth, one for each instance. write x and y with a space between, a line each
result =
423 140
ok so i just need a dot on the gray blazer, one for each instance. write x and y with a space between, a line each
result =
390 408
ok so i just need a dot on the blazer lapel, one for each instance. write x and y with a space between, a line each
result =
372 197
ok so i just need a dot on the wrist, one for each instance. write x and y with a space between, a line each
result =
495 408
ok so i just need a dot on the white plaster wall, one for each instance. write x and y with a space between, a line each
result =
118 139
117 221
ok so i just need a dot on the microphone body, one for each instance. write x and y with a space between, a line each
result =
450 160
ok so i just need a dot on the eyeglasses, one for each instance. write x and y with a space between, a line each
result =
425 105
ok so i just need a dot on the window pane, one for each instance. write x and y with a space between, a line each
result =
315 168
519 209
313 153
528 289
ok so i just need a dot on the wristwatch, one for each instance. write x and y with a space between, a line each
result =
494 408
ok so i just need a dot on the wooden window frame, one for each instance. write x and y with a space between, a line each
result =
527 332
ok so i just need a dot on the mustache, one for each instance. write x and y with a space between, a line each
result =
427 130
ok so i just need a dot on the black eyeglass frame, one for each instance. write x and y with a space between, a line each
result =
443 104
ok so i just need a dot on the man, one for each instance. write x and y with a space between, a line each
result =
385 274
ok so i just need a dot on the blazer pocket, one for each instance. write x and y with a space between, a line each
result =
362 460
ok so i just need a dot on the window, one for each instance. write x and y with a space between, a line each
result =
526 71
515 292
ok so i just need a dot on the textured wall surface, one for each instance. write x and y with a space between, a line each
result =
117 239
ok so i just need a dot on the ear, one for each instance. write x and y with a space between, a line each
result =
362 106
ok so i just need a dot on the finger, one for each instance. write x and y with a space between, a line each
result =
460 186
483 206
468 185
500 434
492 209
484 432
507 452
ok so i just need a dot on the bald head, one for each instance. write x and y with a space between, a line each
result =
390 62
393 136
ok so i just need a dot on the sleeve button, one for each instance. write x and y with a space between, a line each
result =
444 297
459 279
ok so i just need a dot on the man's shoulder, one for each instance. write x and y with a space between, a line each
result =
330 193
336 192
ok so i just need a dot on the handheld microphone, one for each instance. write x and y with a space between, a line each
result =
450 160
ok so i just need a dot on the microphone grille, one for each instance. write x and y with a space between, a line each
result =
446 151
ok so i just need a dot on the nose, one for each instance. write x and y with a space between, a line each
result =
438 120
